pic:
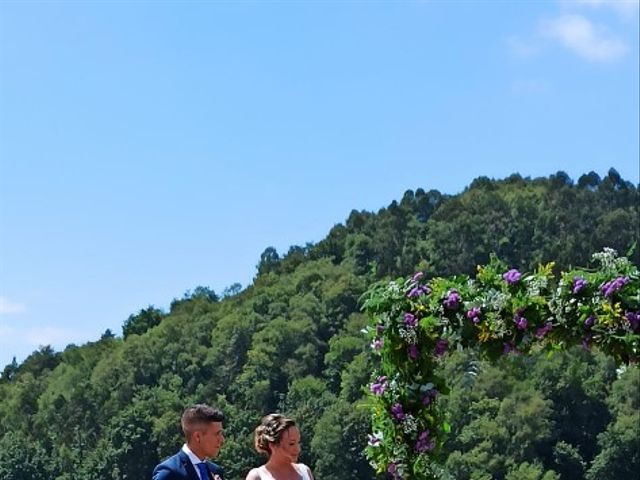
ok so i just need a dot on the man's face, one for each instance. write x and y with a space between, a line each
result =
210 439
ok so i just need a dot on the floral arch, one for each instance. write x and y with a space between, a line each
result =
415 322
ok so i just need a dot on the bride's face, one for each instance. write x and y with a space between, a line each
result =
289 446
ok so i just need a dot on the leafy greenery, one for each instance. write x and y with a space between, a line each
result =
292 341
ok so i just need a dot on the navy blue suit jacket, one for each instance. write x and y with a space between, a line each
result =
179 467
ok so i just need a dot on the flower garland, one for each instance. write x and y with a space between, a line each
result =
414 322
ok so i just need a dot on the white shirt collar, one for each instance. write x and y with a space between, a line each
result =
192 456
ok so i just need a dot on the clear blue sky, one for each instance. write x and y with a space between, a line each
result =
150 147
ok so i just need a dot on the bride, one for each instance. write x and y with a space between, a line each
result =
279 438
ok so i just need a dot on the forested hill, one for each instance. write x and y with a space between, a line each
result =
291 342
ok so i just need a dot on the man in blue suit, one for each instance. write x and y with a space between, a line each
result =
202 427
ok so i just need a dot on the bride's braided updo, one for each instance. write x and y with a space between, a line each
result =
270 430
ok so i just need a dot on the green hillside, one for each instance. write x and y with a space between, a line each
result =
291 341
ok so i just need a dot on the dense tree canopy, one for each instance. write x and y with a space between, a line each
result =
291 341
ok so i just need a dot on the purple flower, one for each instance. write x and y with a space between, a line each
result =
474 315
374 440
512 276
441 347
397 413
419 290
392 470
379 329
590 321
377 344
424 443
413 352
521 322
417 276
634 320
415 292
509 347
578 284
429 396
542 331
609 288
379 386
453 300
410 320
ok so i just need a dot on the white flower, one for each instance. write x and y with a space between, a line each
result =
410 335
394 287
409 424
375 439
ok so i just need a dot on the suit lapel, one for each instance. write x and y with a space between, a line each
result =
188 466
190 470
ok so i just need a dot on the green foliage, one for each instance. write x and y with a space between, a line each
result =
570 463
337 442
142 321
527 471
306 401
619 454
22 459
269 261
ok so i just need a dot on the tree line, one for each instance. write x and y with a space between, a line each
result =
291 342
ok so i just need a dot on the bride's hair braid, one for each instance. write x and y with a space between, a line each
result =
270 430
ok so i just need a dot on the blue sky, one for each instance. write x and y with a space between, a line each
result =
148 147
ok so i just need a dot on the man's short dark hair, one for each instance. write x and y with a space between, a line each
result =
198 417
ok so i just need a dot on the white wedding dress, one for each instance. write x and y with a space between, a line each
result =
264 474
